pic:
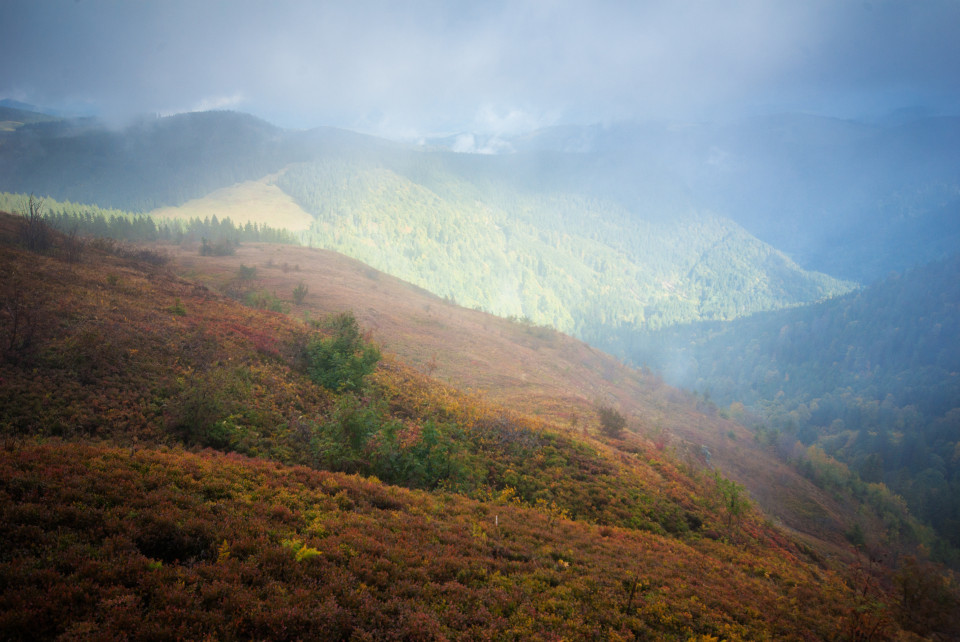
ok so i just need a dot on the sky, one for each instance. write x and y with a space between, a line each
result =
500 67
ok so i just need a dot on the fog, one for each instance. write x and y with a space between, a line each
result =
414 69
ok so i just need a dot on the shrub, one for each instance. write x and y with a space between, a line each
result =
341 361
732 498
178 308
202 411
263 300
221 247
340 443
300 293
612 423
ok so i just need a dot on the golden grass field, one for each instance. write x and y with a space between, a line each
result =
257 201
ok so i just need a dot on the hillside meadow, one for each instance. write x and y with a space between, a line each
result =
172 467
540 372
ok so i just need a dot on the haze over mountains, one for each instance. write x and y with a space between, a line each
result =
851 200
601 231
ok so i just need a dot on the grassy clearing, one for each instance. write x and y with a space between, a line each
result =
259 201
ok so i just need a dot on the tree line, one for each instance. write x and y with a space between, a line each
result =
91 220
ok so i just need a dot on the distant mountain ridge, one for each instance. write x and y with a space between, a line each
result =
531 235
849 199
154 162
670 208
13 116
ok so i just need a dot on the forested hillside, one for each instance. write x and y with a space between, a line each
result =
849 199
120 509
585 243
872 378
581 264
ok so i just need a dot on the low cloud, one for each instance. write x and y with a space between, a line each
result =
219 102
497 68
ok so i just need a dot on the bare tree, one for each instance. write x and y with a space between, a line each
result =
19 316
34 230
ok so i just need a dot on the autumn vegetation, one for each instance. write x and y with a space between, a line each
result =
177 462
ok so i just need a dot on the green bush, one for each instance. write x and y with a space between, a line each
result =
299 293
178 308
612 423
340 361
263 300
340 443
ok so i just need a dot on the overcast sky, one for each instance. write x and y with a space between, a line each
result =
402 68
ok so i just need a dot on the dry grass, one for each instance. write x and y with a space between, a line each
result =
257 201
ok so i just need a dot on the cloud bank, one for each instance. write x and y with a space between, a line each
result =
431 67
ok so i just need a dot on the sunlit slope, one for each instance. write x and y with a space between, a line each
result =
260 202
556 256
533 370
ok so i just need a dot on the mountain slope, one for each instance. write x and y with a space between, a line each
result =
156 162
580 264
522 365
143 359
113 536
190 545
138 356
535 369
